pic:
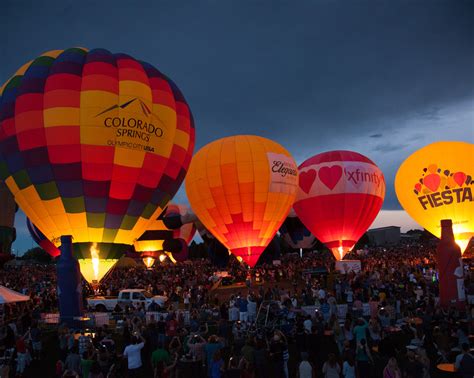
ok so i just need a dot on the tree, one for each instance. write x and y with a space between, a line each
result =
363 241
37 254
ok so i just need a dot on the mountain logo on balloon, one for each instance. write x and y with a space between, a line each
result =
145 109
437 187
133 127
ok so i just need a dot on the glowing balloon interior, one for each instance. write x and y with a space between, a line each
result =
436 183
93 269
93 144
340 194
241 188
148 261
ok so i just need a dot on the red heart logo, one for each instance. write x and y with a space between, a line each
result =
432 182
330 176
306 180
459 178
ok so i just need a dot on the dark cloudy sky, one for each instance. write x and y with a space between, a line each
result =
380 77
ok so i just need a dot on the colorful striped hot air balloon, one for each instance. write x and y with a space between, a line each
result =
340 194
241 188
159 238
40 239
295 233
93 144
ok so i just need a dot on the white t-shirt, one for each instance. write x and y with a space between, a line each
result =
305 370
308 324
134 358
348 371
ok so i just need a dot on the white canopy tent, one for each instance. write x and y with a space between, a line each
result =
9 296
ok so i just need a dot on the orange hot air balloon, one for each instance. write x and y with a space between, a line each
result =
242 188
340 194
436 183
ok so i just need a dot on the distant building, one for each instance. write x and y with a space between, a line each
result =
384 236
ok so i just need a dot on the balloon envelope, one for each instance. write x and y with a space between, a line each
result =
340 194
241 188
295 233
187 230
42 240
435 183
158 237
93 144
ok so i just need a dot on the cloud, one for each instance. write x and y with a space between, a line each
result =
389 147
376 136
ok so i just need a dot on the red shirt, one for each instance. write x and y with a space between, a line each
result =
171 327
20 345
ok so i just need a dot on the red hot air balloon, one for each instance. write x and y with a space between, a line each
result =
340 194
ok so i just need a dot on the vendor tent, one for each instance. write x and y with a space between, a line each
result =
9 296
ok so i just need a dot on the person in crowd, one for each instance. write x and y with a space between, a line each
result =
216 365
87 361
348 367
73 361
243 308
213 345
251 309
276 350
132 353
360 330
331 368
35 336
363 359
464 363
305 368
84 343
392 370
160 358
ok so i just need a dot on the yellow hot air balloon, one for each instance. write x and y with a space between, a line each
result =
241 188
437 182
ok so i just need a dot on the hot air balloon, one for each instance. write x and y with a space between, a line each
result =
295 233
8 209
241 188
436 183
160 238
42 240
340 194
93 145
187 229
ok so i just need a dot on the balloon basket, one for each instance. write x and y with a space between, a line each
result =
81 322
95 287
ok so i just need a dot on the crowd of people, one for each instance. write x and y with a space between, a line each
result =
298 318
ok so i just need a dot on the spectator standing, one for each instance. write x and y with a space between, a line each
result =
132 353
